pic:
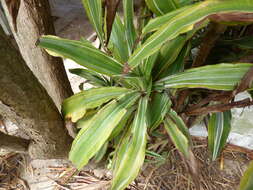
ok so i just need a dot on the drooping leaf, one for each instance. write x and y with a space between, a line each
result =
185 22
131 151
175 118
118 41
84 121
82 54
217 77
161 7
93 10
76 106
177 136
219 127
247 179
89 141
128 7
92 77
159 107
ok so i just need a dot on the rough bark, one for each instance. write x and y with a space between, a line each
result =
33 21
14 144
25 102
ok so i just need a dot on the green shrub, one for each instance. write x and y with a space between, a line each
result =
142 73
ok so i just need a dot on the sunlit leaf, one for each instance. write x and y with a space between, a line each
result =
89 141
93 10
217 77
131 151
161 7
82 54
185 22
76 106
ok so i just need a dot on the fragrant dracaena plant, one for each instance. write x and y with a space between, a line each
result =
141 80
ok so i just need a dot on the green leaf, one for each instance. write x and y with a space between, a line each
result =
158 22
247 179
118 40
168 54
175 118
128 7
243 43
185 22
131 152
185 2
82 54
148 65
94 12
178 65
84 121
219 127
91 77
158 109
123 123
178 138
89 141
216 77
101 153
76 106
161 7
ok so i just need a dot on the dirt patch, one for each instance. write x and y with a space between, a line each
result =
223 174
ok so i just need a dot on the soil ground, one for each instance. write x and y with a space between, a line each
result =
171 174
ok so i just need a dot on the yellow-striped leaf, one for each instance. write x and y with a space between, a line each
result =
81 53
131 151
219 127
185 22
161 7
89 141
177 136
128 7
216 77
76 106
93 10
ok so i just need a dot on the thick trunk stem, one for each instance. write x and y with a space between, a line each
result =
25 102
33 21
14 144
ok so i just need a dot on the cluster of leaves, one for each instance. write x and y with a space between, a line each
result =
142 74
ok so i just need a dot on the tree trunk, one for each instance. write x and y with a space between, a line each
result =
13 144
33 21
25 102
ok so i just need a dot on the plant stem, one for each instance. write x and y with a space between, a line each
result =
208 42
